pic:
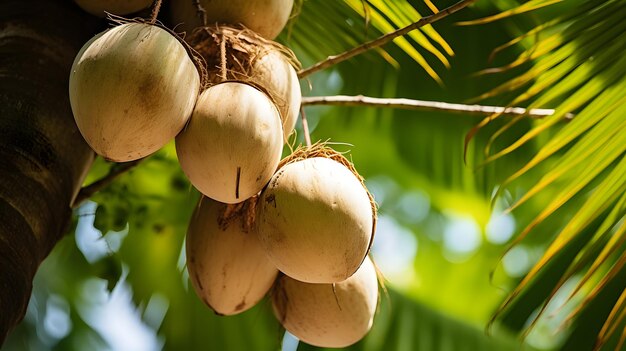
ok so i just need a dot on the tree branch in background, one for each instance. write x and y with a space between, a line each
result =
421 105
332 60
305 126
116 170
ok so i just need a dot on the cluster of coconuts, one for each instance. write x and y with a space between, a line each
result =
301 228
304 239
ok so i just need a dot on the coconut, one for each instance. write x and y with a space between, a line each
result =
227 265
276 73
117 7
132 89
315 220
233 142
248 57
266 17
328 315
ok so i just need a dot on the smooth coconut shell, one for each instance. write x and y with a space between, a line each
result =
315 221
116 7
327 316
274 72
232 144
228 267
266 17
251 58
132 89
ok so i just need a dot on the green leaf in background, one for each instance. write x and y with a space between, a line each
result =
362 21
403 325
578 69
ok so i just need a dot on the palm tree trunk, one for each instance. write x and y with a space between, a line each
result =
43 158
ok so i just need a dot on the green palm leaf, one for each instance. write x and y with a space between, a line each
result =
577 66
355 21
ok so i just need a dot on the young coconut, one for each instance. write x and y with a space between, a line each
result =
132 89
117 7
325 315
316 220
233 142
247 57
276 73
266 17
227 265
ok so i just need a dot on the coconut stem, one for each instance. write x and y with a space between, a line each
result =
156 7
223 57
333 60
305 127
200 12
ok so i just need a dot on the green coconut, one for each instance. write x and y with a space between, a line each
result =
132 89
236 53
274 72
315 220
233 142
229 269
265 17
328 315
117 7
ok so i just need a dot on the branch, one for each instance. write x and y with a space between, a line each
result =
116 170
332 60
421 105
305 126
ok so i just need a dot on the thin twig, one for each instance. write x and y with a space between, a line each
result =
332 60
421 105
223 58
305 126
116 170
156 7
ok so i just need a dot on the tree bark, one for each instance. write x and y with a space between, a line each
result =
43 158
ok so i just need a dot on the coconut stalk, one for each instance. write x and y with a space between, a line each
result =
44 158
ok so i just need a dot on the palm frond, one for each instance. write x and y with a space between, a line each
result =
618 314
577 67
528 6
341 25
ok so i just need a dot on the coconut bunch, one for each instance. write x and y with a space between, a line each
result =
308 233
299 229
134 88
316 221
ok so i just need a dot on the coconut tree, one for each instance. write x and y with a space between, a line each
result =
45 158
554 113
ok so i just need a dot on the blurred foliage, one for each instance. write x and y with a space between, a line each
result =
576 69
401 324
439 234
